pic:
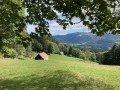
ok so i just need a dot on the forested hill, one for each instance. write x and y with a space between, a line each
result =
88 39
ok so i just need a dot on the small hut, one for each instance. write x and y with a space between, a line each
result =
42 56
61 53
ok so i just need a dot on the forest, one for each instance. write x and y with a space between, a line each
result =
51 46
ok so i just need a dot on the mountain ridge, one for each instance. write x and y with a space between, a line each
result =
88 39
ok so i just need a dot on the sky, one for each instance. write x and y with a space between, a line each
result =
56 29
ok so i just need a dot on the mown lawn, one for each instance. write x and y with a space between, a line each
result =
57 73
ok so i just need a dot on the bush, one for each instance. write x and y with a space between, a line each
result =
19 49
1 55
99 57
9 53
70 55
83 56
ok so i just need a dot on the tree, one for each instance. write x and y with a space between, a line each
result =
19 49
112 57
28 52
93 57
56 48
71 52
44 43
12 23
9 52
64 48
100 16
96 14
51 48
83 56
36 46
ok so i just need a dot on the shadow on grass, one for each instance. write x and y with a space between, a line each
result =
21 59
57 80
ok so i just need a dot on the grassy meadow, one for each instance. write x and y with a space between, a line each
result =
57 73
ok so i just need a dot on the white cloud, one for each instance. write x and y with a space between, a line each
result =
54 24
56 29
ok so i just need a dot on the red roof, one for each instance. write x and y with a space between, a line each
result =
43 55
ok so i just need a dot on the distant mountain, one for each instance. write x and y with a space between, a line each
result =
88 39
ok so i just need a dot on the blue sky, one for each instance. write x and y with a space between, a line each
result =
56 29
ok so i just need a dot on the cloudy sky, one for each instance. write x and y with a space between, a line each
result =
56 29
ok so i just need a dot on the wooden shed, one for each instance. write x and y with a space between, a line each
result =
42 56
61 53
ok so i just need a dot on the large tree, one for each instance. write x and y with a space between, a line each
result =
100 16
12 23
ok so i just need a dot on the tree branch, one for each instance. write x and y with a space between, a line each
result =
77 22
118 19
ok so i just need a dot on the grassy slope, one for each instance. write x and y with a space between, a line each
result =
57 73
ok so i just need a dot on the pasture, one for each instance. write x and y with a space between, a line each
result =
57 73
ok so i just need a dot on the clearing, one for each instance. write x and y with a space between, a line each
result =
57 73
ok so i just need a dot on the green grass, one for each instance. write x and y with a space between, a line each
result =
57 73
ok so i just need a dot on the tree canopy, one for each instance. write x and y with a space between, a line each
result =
100 16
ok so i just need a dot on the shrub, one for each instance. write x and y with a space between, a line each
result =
9 53
99 57
83 56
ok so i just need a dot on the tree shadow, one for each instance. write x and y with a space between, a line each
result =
58 80
21 59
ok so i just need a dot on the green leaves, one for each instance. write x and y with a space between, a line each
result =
98 15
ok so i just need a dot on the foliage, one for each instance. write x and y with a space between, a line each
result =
91 56
112 57
9 53
64 48
28 51
83 56
97 15
36 46
57 50
100 16
12 23
19 49
51 46
99 57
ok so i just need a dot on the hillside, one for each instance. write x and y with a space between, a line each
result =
88 39
57 73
